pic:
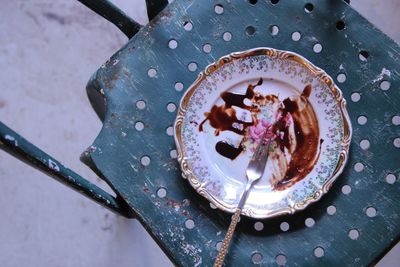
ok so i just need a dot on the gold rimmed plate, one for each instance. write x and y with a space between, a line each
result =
224 113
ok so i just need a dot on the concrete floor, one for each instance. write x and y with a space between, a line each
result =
48 50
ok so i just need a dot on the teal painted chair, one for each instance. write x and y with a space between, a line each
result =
355 224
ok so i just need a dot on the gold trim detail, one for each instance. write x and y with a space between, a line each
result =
272 53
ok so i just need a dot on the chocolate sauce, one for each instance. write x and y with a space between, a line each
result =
306 132
271 98
223 117
307 91
304 150
237 100
227 150
294 174
290 106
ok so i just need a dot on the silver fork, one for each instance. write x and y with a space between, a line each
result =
254 171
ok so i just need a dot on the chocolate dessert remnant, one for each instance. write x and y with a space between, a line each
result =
227 150
305 153
222 118
237 100
294 130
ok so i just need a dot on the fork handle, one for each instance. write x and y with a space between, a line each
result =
228 238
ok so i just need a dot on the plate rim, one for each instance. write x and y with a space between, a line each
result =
272 53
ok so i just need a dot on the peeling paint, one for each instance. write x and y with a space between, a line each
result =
91 149
115 62
192 251
11 138
384 72
53 165
133 167
199 262
71 179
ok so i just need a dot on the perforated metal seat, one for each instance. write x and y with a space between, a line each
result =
136 94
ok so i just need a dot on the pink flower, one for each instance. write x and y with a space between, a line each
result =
288 119
256 132
278 115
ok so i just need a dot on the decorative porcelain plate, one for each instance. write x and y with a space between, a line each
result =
224 113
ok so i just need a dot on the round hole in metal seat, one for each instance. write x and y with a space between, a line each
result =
331 210
396 120
189 224
178 86
341 77
170 130
207 48
171 107
256 258
274 30
346 189
317 48
362 120
218 246
296 36
284 226
173 44
139 126
371 212
161 192
390 178
141 104
250 30
396 142
308 8
188 26
280 259
340 25
173 154
319 252
219 9
358 167
192 66
227 36
364 144
363 55
258 226
145 160
354 234
355 97
309 222
152 72
385 85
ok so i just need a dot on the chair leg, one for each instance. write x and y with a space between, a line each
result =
113 14
154 7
